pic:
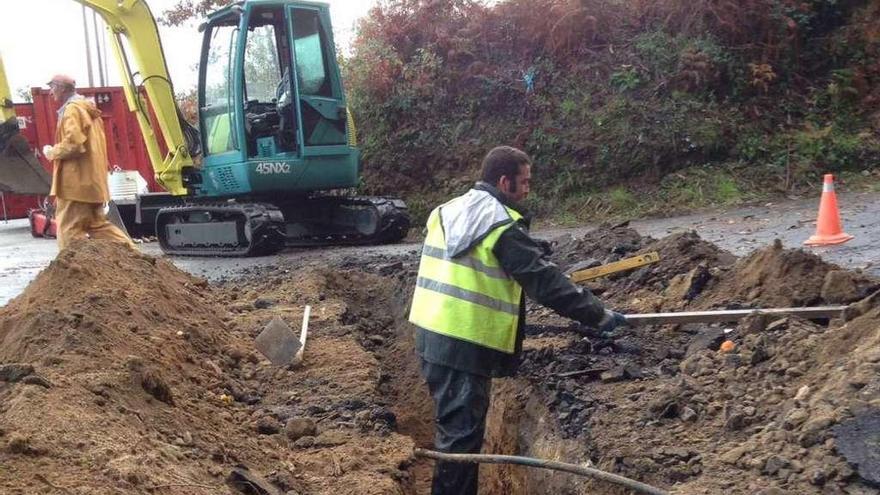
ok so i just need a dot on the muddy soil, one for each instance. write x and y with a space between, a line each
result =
666 406
121 374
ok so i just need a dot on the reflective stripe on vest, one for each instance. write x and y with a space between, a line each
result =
467 297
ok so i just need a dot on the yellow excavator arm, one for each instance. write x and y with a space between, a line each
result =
134 32
6 110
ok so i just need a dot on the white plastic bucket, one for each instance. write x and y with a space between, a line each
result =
126 184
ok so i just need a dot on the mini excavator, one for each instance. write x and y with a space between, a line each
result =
274 155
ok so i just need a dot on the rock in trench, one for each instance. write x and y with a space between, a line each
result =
297 428
14 372
710 339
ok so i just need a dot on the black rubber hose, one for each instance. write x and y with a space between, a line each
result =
540 463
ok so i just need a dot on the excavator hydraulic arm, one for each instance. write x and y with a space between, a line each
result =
6 111
138 52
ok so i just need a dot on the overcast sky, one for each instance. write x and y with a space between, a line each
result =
45 37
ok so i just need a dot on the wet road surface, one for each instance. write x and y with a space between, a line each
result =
738 230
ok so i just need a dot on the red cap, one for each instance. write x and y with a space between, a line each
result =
62 79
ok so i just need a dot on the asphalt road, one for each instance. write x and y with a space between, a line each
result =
739 230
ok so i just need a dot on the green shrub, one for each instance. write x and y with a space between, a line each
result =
727 192
625 79
619 93
621 199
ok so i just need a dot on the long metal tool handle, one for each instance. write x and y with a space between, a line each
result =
541 463
731 315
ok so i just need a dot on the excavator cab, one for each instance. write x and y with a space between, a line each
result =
272 108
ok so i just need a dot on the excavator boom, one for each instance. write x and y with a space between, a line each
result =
133 32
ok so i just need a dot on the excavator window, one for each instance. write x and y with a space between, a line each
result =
262 71
323 121
217 99
311 67
269 113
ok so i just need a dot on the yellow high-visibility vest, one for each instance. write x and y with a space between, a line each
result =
462 292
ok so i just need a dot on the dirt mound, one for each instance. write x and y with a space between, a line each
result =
666 406
777 277
695 274
121 374
704 421
605 244
680 253
771 405
95 296
653 287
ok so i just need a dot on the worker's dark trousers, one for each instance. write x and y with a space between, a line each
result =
461 401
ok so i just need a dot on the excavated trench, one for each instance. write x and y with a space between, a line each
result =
519 421
664 405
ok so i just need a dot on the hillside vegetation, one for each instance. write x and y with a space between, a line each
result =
627 106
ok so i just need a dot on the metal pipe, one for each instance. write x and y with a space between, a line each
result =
88 47
732 315
104 50
98 49
544 464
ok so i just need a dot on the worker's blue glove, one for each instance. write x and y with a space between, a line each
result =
611 322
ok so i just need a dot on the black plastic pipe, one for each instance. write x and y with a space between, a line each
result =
540 463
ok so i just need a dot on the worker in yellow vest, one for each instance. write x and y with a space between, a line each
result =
477 263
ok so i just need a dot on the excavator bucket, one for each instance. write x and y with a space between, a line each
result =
20 171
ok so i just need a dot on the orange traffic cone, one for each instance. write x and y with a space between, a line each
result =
828 227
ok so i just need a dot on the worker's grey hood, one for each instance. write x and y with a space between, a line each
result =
75 97
467 219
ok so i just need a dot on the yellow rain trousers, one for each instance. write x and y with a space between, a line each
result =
76 220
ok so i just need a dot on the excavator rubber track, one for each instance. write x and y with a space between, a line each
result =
220 229
345 220
258 229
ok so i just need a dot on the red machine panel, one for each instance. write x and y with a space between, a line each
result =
25 113
17 205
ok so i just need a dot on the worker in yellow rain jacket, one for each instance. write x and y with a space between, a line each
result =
79 179
478 262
